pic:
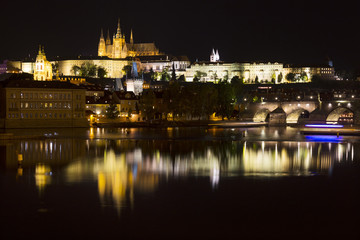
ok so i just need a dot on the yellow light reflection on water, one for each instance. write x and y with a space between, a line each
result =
42 176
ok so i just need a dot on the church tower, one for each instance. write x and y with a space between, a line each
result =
118 44
102 47
217 56
43 68
214 56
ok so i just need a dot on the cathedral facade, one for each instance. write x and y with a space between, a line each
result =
119 48
43 68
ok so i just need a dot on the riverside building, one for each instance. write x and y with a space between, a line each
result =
38 104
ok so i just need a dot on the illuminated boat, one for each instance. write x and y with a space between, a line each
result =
329 129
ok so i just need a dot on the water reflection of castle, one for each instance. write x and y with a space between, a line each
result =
123 167
142 165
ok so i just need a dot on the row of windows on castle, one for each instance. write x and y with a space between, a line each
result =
45 115
55 96
45 105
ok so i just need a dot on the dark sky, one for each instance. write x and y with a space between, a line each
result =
284 31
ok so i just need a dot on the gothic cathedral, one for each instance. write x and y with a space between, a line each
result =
119 48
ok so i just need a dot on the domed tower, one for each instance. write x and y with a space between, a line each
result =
102 47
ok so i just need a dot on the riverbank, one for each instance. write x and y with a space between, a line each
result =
11 136
202 123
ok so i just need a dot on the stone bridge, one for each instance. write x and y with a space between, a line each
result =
310 111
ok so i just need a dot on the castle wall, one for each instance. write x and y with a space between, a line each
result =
113 67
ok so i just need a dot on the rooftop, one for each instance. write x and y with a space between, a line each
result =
22 83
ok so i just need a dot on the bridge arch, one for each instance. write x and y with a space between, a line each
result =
261 115
340 114
295 115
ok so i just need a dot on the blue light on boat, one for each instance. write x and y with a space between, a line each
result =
324 138
324 125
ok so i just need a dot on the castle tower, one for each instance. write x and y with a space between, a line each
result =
43 68
102 47
135 83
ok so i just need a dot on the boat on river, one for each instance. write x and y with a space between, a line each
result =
329 129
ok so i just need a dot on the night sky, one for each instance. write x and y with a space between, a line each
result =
283 31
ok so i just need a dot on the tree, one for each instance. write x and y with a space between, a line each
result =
198 75
207 98
173 74
101 72
112 111
127 70
290 77
147 104
226 77
165 76
273 77
280 77
152 74
256 79
172 97
214 76
55 68
316 79
137 110
88 70
226 99
237 84
303 76
75 70
182 78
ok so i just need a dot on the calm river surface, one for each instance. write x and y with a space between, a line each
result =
179 183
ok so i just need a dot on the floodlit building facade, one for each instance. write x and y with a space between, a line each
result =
37 104
43 68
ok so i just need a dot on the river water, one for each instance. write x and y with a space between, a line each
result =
179 183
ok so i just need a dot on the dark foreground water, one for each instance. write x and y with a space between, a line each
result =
179 183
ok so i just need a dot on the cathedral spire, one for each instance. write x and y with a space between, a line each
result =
118 31
131 37
108 41
101 34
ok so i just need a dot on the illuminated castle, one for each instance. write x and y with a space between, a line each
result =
43 68
119 48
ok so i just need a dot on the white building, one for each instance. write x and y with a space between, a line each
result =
263 72
212 71
165 62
